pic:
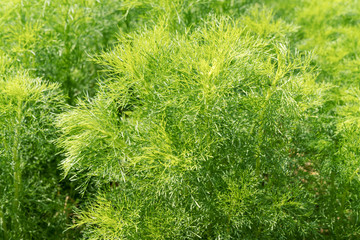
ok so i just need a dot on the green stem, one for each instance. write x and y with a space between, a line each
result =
261 131
3 224
17 164
69 83
269 93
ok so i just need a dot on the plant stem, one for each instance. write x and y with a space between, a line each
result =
270 91
261 130
3 224
17 164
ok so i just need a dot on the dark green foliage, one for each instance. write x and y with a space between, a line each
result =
33 205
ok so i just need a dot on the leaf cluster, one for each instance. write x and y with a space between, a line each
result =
188 136
32 200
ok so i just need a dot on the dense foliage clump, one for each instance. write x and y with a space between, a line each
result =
219 119
32 201
55 39
189 136
330 29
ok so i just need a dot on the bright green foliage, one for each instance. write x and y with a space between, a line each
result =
347 165
331 29
179 14
54 39
209 121
32 203
189 136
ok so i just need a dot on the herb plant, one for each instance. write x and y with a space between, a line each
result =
31 198
189 135
219 119
330 29
55 39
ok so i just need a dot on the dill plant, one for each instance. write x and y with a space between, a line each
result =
218 129
31 199
331 29
177 14
189 135
54 39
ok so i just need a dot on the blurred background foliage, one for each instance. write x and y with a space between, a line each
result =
56 39
330 29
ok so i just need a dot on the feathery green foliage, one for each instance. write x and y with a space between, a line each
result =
219 119
32 201
53 39
331 29
189 135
